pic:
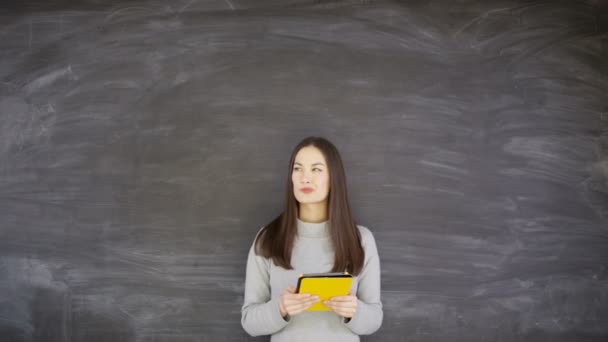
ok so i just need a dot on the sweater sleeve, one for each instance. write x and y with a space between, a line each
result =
368 317
260 315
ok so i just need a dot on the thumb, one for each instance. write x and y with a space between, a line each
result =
291 289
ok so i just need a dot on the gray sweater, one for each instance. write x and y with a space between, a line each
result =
312 253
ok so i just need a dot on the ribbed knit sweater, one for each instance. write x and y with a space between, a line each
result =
313 252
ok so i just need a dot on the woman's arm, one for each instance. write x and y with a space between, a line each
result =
260 315
368 317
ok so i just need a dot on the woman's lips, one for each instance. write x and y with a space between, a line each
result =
306 190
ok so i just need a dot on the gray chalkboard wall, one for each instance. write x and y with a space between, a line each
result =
143 143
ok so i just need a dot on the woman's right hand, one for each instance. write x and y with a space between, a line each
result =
293 303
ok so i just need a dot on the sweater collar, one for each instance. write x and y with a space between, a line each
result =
314 230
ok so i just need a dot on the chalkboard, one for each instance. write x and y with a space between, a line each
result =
144 143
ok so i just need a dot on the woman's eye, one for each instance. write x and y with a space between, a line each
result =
298 169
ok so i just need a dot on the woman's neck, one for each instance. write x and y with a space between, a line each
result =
313 212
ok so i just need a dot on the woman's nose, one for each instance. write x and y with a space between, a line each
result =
305 178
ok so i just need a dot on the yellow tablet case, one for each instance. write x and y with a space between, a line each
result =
324 285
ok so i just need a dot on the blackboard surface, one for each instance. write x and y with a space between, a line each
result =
143 143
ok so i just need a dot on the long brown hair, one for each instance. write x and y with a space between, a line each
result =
276 239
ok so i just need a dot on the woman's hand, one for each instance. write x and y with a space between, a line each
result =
293 303
345 306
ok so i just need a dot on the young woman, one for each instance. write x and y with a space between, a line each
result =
315 233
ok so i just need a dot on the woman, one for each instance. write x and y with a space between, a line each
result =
316 233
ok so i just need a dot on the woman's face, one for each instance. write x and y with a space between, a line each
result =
310 170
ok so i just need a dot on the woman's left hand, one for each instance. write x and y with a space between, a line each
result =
345 306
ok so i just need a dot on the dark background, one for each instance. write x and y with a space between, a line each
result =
144 143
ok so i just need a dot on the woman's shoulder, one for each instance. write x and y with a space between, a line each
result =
367 237
255 242
259 231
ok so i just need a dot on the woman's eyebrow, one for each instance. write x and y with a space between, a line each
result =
312 164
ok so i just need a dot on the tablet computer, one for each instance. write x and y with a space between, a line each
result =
324 285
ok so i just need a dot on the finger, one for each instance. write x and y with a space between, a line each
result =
299 300
340 305
346 313
329 304
291 289
299 307
292 302
307 301
299 310
344 305
349 295
298 296
342 311
303 294
343 299
296 307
